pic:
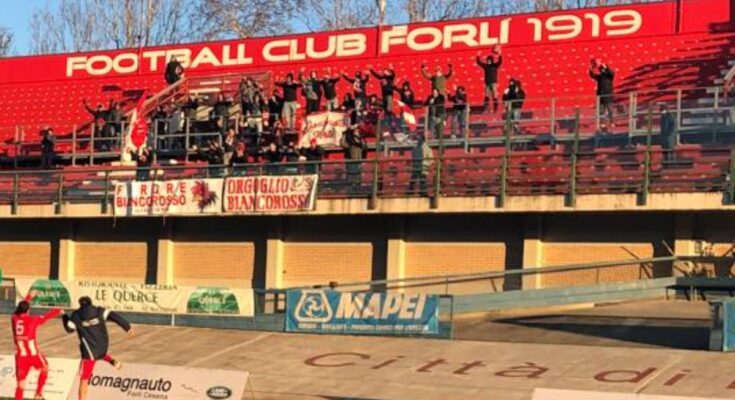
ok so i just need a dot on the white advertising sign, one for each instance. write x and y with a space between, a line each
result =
141 381
175 197
553 394
142 298
62 374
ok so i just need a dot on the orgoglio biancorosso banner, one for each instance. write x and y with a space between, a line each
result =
251 194
132 297
287 193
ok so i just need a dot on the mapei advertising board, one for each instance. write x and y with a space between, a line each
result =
388 42
233 195
363 313
142 298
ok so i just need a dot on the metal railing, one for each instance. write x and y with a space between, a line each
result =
568 172
700 114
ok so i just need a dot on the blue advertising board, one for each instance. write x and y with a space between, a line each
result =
362 313
728 328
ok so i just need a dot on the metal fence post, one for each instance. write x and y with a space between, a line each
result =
552 127
468 110
16 188
74 145
437 181
506 160
643 197
187 138
106 194
678 111
731 183
155 142
60 194
572 198
91 144
631 116
17 147
373 202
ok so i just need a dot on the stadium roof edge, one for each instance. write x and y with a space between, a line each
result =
300 34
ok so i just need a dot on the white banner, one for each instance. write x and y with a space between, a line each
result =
175 197
554 394
161 382
327 128
134 297
61 377
286 193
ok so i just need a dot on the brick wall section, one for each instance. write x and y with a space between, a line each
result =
111 261
579 253
440 259
30 259
219 264
319 263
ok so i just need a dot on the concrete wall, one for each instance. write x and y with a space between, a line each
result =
269 251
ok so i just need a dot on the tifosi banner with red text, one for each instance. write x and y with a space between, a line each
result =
288 193
175 197
326 128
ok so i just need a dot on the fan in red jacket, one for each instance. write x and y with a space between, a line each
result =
27 354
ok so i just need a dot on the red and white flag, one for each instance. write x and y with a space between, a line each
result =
137 133
406 113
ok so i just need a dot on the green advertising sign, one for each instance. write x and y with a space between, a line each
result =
50 293
212 301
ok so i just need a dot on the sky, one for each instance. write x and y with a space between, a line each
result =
16 15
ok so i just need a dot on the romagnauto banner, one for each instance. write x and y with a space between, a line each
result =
326 128
132 297
62 374
364 313
175 197
287 193
141 381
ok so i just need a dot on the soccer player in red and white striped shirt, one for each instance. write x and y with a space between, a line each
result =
27 353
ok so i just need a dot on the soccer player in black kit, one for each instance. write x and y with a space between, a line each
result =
90 323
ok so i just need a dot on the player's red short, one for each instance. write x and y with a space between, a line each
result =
23 365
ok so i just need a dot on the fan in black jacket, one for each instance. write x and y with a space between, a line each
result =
90 323
604 76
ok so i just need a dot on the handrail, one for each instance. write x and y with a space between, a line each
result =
474 277
441 279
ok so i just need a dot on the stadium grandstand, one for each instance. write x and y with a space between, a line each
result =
472 166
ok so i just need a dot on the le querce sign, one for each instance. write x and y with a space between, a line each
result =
394 41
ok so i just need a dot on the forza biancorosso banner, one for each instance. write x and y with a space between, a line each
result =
133 297
174 197
140 381
62 374
285 193
236 195
365 313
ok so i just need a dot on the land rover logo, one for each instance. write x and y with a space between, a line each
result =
219 393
